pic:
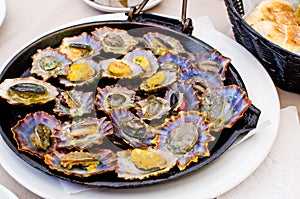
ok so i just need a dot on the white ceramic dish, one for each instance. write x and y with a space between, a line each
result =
2 11
6 193
104 8
224 173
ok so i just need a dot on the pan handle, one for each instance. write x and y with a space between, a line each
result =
185 26
186 22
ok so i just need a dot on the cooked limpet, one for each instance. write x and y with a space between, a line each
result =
49 63
27 91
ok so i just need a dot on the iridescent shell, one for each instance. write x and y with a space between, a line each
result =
182 97
33 133
27 91
153 108
224 106
186 136
141 164
49 63
212 62
80 47
114 97
82 164
74 103
81 72
161 44
200 79
173 63
82 133
115 40
160 79
117 68
145 59
132 129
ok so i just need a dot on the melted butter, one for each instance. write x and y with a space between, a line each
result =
84 130
143 62
147 160
156 79
77 159
119 69
80 72
79 52
27 97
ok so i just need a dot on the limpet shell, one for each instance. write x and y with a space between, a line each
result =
114 97
74 103
145 59
186 136
103 160
120 68
80 47
161 44
141 164
172 62
201 80
153 108
49 63
132 129
224 106
114 40
183 97
28 136
213 62
82 72
27 91
82 133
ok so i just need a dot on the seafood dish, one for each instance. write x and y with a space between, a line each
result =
107 102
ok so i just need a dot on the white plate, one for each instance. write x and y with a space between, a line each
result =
224 173
2 11
6 193
150 4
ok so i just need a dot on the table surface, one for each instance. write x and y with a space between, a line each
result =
28 19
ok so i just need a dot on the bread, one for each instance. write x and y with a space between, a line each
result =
276 21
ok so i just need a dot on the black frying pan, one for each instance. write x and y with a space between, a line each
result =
137 25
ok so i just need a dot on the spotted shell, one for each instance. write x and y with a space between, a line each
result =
80 47
82 72
114 40
82 164
224 106
145 59
120 68
82 133
114 97
49 63
213 62
186 136
27 91
33 133
153 108
74 103
132 129
143 163
182 97
161 44
201 80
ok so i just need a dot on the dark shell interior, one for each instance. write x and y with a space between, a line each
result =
20 65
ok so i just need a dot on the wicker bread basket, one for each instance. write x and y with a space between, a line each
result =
282 65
